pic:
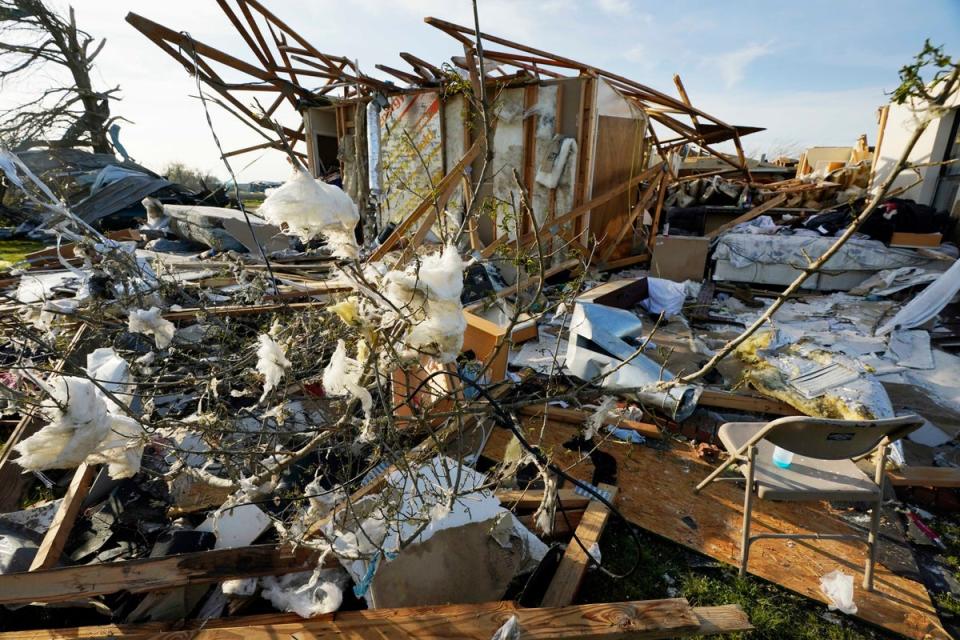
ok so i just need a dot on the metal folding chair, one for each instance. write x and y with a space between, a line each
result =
822 469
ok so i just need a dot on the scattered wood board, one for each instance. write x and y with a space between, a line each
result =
938 477
57 534
71 583
672 618
745 402
578 417
656 493
575 562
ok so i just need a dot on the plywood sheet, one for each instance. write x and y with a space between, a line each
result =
656 493
617 159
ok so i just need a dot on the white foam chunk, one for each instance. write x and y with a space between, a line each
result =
152 323
310 208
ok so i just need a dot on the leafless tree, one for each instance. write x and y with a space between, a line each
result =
192 178
69 114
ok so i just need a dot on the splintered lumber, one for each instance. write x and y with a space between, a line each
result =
71 583
56 537
757 211
672 618
933 477
656 494
745 402
573 566
578 417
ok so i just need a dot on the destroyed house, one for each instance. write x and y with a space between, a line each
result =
591 151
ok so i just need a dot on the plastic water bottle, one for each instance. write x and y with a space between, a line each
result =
781 457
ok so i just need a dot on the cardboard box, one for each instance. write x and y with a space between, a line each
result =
680 258
915 240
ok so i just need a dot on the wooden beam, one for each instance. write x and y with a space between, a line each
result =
56 537
624 262
520 285
529 499
578 417
575 562
745 402
935 477
70 583
576 212
621 620
447 184
759 210
639 208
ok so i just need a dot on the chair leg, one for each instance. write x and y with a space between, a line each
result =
873 538
747 512
713 474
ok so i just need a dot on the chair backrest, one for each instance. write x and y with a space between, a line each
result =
836 439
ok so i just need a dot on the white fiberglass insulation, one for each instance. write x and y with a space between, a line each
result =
152 323
310 208
82 427
429 298
271 362
342 378
307 593
122 449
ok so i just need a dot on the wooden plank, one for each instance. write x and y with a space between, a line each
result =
759 210
619 145
578 417
528 499
573 213
575 562
70 583
745 402
727 618
59 531
658 209
625 262
564 523
671 618
938 477
627 225
520 285
447 184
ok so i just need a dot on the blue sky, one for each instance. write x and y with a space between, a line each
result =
813 73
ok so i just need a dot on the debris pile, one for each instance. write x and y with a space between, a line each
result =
411 391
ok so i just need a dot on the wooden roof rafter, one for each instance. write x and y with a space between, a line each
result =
648 99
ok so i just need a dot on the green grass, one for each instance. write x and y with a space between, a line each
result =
13 251
668 570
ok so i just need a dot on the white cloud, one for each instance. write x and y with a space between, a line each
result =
732 65
615 7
